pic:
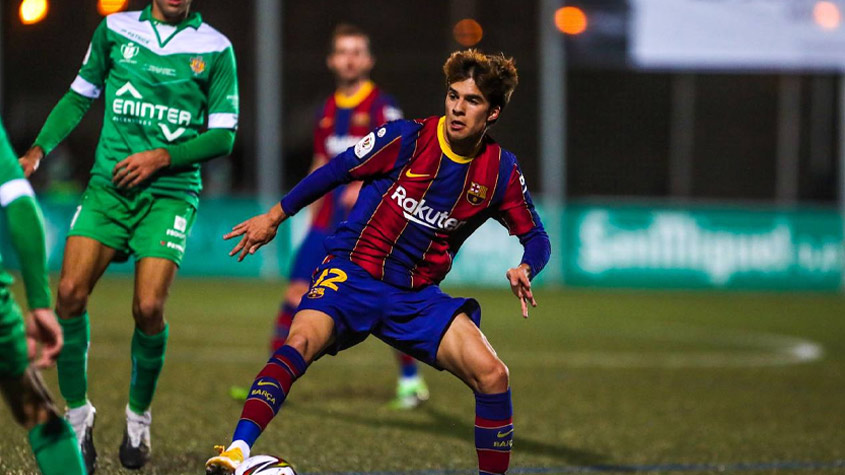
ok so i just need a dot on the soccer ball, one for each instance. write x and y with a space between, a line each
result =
265 465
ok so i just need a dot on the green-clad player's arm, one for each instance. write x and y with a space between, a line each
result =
26 226
222 116
87 87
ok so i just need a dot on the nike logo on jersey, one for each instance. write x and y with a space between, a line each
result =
410 174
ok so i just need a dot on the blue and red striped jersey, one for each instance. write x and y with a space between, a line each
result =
343 121
420 202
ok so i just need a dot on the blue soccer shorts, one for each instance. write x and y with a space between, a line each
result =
412 321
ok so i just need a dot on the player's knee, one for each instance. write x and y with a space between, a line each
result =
72 298
149 314
493 378
295 291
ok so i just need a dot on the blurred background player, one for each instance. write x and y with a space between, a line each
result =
430 184
356 108
51 437
163 71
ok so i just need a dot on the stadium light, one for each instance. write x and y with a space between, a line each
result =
571 20
107 7
827 15
33 11
467 32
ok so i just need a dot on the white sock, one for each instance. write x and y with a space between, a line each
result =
240 445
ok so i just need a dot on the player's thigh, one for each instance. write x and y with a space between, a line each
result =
465 352
84 262
163 231
13 351
311 332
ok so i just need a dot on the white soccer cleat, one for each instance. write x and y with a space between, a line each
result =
135 448
225 462
81 419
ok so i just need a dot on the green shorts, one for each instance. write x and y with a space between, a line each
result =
138 224
13 355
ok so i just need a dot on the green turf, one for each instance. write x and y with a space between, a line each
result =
599 377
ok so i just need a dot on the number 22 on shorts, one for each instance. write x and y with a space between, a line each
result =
325 281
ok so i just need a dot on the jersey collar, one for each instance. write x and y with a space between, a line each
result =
444 145
348 102
194 19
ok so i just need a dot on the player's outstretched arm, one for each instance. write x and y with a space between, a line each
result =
59 124
256 231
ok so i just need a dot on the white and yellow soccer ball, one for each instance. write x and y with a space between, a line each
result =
265 465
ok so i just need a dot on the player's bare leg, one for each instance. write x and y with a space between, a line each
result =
84 262
294 292
465 352
153 277
311 333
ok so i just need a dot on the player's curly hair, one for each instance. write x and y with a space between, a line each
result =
494 74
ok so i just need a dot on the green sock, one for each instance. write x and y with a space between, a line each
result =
73 360
147 361
56 449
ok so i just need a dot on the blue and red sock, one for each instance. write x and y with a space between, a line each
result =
407 365
268 392
281 328
493 432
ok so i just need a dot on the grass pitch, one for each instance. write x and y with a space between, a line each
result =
683 380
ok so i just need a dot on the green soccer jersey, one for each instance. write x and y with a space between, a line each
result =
12 185
24 227
162 82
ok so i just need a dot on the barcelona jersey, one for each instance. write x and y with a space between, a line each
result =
343 121
420 201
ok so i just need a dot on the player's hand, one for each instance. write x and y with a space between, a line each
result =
521 287
256 231
42 327
137 167
30 160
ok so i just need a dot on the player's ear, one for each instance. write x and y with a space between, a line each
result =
493 115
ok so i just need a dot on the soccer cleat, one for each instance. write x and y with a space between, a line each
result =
225 462
238 393
135 448
410 393
82 421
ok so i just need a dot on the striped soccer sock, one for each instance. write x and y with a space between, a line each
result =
407 365
282 325
268 392
493 432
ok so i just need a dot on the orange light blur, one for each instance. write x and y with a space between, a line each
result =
571 20
107 7
467 32
33 11
827 15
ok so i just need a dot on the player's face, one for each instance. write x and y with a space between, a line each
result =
350 60
468 112
172 10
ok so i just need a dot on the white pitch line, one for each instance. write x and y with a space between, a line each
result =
729 349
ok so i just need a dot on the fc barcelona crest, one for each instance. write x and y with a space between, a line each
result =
476 193
197 65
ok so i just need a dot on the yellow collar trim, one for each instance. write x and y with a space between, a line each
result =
444 145
348 102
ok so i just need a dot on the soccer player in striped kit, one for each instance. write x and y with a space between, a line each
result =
428 184
356 107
